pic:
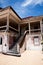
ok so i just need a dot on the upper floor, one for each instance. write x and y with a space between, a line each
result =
10 21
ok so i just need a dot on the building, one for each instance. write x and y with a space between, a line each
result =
19 34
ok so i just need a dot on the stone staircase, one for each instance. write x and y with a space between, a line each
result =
13 51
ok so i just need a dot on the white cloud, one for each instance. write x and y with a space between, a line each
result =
22 12
31 2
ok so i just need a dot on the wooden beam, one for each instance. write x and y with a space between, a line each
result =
3 26
4 12
2 30
35 29
3 16
13 18
33 19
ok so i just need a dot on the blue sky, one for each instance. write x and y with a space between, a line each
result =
24 8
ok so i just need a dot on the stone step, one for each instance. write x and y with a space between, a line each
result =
13 54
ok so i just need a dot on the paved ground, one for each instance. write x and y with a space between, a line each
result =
27 58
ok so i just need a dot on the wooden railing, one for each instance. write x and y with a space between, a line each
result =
13 29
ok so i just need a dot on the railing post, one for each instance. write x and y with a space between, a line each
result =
18 48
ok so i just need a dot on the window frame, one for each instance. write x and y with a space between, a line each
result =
38 40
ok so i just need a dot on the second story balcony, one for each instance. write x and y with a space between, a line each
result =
35 27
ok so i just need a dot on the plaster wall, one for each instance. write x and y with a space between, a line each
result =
30 44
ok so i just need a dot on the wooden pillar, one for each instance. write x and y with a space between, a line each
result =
29 27
7 36
7 30
7 23
41 26
19 28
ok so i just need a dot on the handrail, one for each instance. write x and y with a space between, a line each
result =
20 40
26 32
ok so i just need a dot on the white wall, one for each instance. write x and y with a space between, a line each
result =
0 48
30 45
5 41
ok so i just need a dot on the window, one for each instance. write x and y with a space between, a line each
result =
0 40
36 40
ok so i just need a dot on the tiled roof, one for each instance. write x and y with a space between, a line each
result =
27 17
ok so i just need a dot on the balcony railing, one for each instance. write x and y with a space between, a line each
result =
13 29
3 28
35 30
